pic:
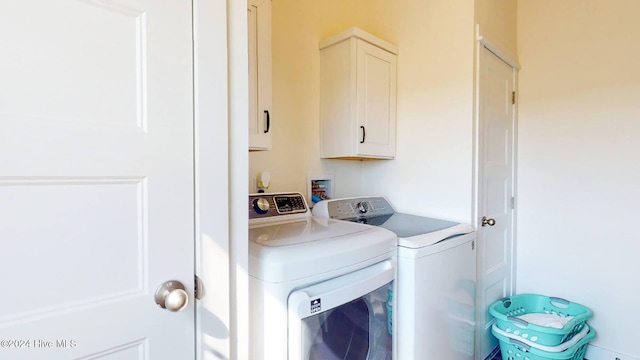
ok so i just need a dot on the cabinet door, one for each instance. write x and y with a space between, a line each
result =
376 101
259 32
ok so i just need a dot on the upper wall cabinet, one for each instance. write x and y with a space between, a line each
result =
357 96
260 121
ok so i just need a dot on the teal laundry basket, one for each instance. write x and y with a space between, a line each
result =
507 312
513 349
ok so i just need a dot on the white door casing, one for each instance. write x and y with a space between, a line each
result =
96 178
222 167
216 25
495 186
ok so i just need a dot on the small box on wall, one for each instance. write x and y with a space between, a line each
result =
319 187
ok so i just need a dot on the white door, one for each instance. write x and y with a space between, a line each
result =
96 178
496 143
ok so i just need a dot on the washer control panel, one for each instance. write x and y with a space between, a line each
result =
346 209
267 205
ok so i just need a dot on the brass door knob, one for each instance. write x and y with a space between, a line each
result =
489 222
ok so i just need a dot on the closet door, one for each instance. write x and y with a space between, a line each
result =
496 195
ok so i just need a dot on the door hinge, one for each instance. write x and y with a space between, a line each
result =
198 288
513 202
513 97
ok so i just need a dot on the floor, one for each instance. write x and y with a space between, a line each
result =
496 356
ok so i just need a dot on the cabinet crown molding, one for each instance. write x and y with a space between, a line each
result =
360 34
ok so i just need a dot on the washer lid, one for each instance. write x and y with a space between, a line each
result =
301 231
295 250
405 225
418 231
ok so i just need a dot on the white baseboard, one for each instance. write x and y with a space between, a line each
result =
598 353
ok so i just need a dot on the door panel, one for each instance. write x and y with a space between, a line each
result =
376 92
96 107
495 184
76 54
106 211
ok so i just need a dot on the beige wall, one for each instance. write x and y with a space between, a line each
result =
579 160
497 20
432 172
579 125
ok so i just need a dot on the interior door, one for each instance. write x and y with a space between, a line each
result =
96 178
496 138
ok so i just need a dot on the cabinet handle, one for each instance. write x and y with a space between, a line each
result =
268 122
363 134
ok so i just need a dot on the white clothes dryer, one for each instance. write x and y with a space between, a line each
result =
319 288
435 296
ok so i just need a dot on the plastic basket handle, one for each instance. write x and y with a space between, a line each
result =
520 343
506 302
559 302
518 322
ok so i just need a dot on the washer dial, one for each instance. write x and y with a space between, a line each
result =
261 206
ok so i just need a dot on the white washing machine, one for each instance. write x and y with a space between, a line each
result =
319 288
435 309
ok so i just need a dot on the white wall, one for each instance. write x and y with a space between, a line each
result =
297 27
432 174
579 159
498 22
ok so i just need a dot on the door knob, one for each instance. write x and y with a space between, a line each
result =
172 296
489 222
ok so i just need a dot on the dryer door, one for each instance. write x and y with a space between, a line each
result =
348 317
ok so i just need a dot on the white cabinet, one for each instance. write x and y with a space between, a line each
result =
357 96
259 31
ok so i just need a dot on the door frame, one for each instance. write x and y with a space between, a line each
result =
510 59
221 100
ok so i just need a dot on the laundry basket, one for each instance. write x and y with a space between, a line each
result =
513 349
510 314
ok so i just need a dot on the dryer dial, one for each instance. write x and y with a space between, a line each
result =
261 205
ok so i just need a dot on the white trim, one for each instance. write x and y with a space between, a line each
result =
598 353
238 122
212 261
362 35
505 54
514 188
221 122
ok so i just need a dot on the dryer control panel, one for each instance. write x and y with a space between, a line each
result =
268 205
